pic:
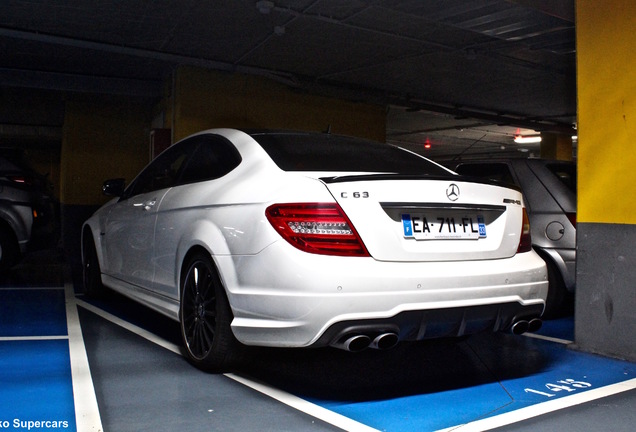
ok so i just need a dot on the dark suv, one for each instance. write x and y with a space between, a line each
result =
549 190
27 208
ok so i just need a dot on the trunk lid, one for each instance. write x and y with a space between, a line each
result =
410 218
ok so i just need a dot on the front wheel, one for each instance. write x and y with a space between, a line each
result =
205 317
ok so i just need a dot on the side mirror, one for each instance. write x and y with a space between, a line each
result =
114 187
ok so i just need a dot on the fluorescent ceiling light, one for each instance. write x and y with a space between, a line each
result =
530 139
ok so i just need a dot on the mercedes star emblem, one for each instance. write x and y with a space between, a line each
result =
452 192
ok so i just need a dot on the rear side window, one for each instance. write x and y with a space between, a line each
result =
195 159
324 152
214 157
491 171
163 172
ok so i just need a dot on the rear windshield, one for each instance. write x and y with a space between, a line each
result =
324 152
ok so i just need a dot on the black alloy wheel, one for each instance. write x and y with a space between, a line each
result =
205 317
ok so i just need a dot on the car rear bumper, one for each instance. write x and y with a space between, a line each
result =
417 325
286 298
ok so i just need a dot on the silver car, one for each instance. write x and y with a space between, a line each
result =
27 210
549 189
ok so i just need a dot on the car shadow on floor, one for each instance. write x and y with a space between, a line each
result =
333 374
328 373
408 369
42 268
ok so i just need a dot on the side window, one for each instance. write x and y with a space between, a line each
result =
164 171
491 171
214 157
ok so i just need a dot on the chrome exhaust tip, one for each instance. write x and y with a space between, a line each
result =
520 327
385 341
353 343
534 325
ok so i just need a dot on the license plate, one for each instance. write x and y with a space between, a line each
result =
443 226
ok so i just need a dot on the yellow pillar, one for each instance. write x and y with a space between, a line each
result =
605 321
556 146
606 65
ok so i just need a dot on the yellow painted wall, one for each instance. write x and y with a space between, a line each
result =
606 82
101 139
207 99
46 162
107 138
556 146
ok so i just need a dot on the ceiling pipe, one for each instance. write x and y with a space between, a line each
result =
498 119
326 86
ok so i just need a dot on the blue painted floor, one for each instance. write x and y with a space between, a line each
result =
565 373
435 386
35 373
37 391
415 387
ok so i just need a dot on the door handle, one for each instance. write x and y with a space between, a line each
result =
146 206
149 204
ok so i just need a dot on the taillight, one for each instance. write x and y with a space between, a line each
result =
320 228
572 218
525 242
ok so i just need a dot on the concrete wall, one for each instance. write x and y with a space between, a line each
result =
606 230
606 289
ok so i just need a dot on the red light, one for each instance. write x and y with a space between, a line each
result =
427 144
20 179
320 228
525 242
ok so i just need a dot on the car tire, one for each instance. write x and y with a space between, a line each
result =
9 251
205 317
92 274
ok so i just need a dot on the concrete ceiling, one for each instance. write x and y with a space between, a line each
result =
463 75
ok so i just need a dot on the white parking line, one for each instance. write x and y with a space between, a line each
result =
544 408
302 405
31 338
87 416
548 338
130 327
32 288
288 399
348 424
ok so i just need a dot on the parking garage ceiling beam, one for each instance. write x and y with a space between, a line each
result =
152 88
169 59
43 80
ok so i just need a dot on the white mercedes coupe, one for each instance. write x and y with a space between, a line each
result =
293 239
